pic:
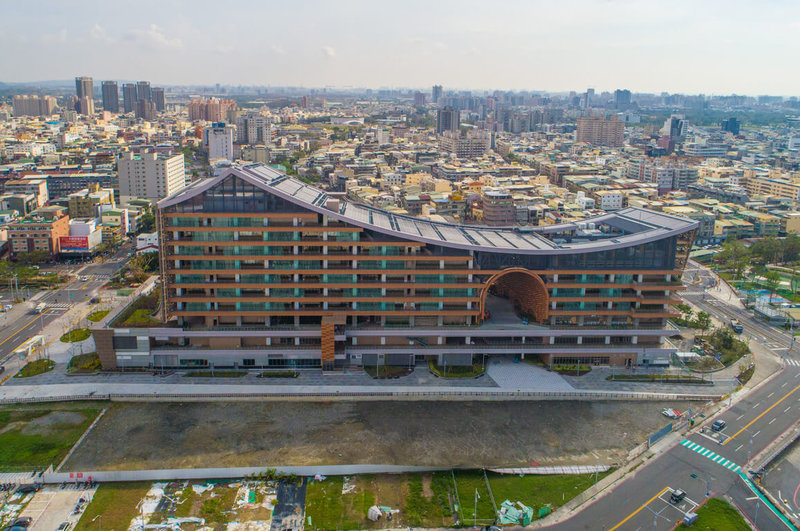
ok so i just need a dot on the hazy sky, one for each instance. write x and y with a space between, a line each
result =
694 46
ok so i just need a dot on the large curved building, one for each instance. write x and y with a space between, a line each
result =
261 270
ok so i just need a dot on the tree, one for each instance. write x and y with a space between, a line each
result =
735 256
772 280
703 321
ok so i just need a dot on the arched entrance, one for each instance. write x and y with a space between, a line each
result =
525 290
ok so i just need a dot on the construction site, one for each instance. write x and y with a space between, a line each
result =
445 434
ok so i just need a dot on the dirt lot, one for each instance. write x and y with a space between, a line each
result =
404 433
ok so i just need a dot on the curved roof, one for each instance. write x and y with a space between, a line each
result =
635 226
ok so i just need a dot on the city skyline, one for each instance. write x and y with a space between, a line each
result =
544 46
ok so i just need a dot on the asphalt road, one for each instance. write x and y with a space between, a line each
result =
21 323
641 502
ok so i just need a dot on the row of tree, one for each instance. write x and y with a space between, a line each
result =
751 262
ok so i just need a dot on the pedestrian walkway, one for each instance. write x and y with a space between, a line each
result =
521 375
59 306
793 363
705 452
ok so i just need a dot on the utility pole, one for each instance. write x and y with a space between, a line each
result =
475 514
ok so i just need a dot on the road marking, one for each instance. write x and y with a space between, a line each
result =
739 447
634 513
740 416
787 409
716 458
770 395
755 406
784 397
756 433
23 327
773 420
784 384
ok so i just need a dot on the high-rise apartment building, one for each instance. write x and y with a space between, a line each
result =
419 99
211 110
129 97
471 145
143 91
150 176
84 92
218 141
436 93
676 127
447 119
666 174
159 98
601 131
32 105
145 109
85 106
731 125
260 270
498 208
84 87
622 98
110 96
253 128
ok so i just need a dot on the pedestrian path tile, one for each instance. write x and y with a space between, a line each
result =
705 452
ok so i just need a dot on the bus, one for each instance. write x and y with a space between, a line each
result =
40 308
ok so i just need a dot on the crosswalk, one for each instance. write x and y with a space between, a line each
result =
793 363
705 452
58 306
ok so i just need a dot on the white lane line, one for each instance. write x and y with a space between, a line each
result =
770 395
740 417
756 433
755 406
773 420
784 384
787 409
739 447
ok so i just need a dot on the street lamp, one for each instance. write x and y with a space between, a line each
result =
708 489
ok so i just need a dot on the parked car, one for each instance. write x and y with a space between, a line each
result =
64 526
677 496
718 425
24 521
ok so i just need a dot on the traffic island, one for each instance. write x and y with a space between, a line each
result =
34 368
76 335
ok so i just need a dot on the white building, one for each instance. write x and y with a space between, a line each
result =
218 141
147 243
150 176
610 200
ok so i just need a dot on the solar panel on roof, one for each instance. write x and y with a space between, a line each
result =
452 234
407 226
496 240
380 219
427 231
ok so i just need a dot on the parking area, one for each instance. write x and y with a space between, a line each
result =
52 506
664 509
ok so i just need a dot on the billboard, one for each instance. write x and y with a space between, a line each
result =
74 243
